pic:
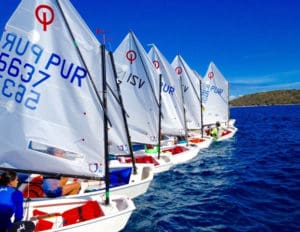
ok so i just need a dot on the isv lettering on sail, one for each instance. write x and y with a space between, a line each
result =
135 80
20 77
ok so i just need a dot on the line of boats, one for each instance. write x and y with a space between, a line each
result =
119 118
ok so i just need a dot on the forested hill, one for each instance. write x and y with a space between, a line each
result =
277 97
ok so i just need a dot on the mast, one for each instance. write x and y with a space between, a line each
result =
228 109
105 125
159 116
184 112
123 113
201 108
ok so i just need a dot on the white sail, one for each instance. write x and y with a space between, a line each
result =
52 81
214 96
48 59
139 84
118 141
191 93
172 111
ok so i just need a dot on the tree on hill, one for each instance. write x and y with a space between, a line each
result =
277 97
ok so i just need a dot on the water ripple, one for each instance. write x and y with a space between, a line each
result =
248 183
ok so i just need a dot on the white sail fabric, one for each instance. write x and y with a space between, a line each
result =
191 92
197 82
47 99
139 84
172 121
118 141
214 96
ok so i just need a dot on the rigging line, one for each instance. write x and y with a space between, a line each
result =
144 66
81 58
188 77
110 88
113 94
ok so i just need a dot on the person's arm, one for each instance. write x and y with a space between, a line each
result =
18 200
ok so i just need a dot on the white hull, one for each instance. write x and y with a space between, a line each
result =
232 130
184 156
116 214
138 184
205 144
163 163
132 190
201 142
170 157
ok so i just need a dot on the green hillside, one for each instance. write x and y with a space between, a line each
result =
277 97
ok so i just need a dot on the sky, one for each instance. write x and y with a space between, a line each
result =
254 43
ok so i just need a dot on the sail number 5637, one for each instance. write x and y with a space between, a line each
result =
12 88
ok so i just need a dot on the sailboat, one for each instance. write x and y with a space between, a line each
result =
215 99
51 98
173 113
172 120
126 179
191 94
140 89
131 179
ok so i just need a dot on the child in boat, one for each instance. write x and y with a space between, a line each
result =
11 200
55 187
215 131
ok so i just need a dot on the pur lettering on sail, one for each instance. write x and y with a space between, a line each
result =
216 90
20 46
67 70
24 66
167 88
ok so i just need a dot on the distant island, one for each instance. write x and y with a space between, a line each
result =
278 97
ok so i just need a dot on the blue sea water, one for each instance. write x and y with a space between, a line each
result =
248 183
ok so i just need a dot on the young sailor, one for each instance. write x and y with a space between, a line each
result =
11 200
215 131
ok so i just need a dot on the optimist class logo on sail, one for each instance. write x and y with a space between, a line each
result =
41 13
25 66
132 79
